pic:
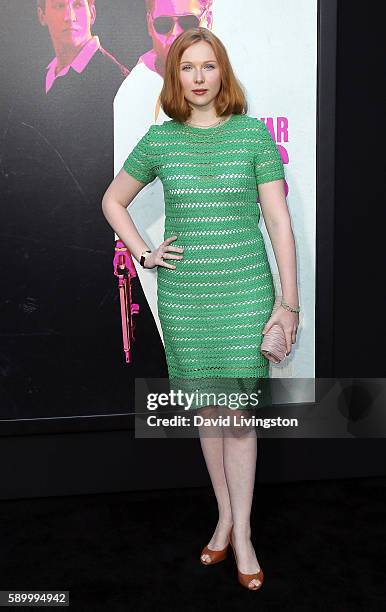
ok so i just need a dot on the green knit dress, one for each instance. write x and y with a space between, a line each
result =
214 305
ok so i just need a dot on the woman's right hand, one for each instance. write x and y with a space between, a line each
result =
156 257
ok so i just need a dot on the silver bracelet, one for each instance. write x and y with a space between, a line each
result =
290 308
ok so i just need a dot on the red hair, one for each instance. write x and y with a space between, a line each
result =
229 100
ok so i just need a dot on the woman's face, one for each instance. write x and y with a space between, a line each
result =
199 70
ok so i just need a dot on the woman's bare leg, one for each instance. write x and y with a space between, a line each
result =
211 439
240 452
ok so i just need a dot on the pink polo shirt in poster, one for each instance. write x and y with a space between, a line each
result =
78 63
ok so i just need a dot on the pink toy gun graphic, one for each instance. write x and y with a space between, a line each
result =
124 269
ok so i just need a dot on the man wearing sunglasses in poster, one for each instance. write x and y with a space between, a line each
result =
136 108
165 24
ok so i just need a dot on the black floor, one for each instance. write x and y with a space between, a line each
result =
320 544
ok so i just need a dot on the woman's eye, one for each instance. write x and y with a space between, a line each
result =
206 66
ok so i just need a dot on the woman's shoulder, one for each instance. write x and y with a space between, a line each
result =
168 123
251 122
257 130
161 130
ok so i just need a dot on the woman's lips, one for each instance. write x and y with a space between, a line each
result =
199 92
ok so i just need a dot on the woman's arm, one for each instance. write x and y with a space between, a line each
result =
117 198
278 223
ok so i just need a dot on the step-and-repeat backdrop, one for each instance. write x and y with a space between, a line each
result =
81 82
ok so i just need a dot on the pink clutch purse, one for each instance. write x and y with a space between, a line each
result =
274 345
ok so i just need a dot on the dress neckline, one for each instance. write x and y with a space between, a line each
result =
215 128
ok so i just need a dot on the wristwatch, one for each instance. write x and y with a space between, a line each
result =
143 257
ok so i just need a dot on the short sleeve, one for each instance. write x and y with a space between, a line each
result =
268 162
140 162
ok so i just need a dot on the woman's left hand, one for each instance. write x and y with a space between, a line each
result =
288 321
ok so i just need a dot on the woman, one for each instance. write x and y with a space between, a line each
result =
215 287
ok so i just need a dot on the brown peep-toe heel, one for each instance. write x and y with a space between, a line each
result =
215 555
245 579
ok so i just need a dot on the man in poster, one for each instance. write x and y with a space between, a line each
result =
69 24
136 107
62 297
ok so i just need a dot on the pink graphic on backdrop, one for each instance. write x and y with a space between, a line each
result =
278 129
